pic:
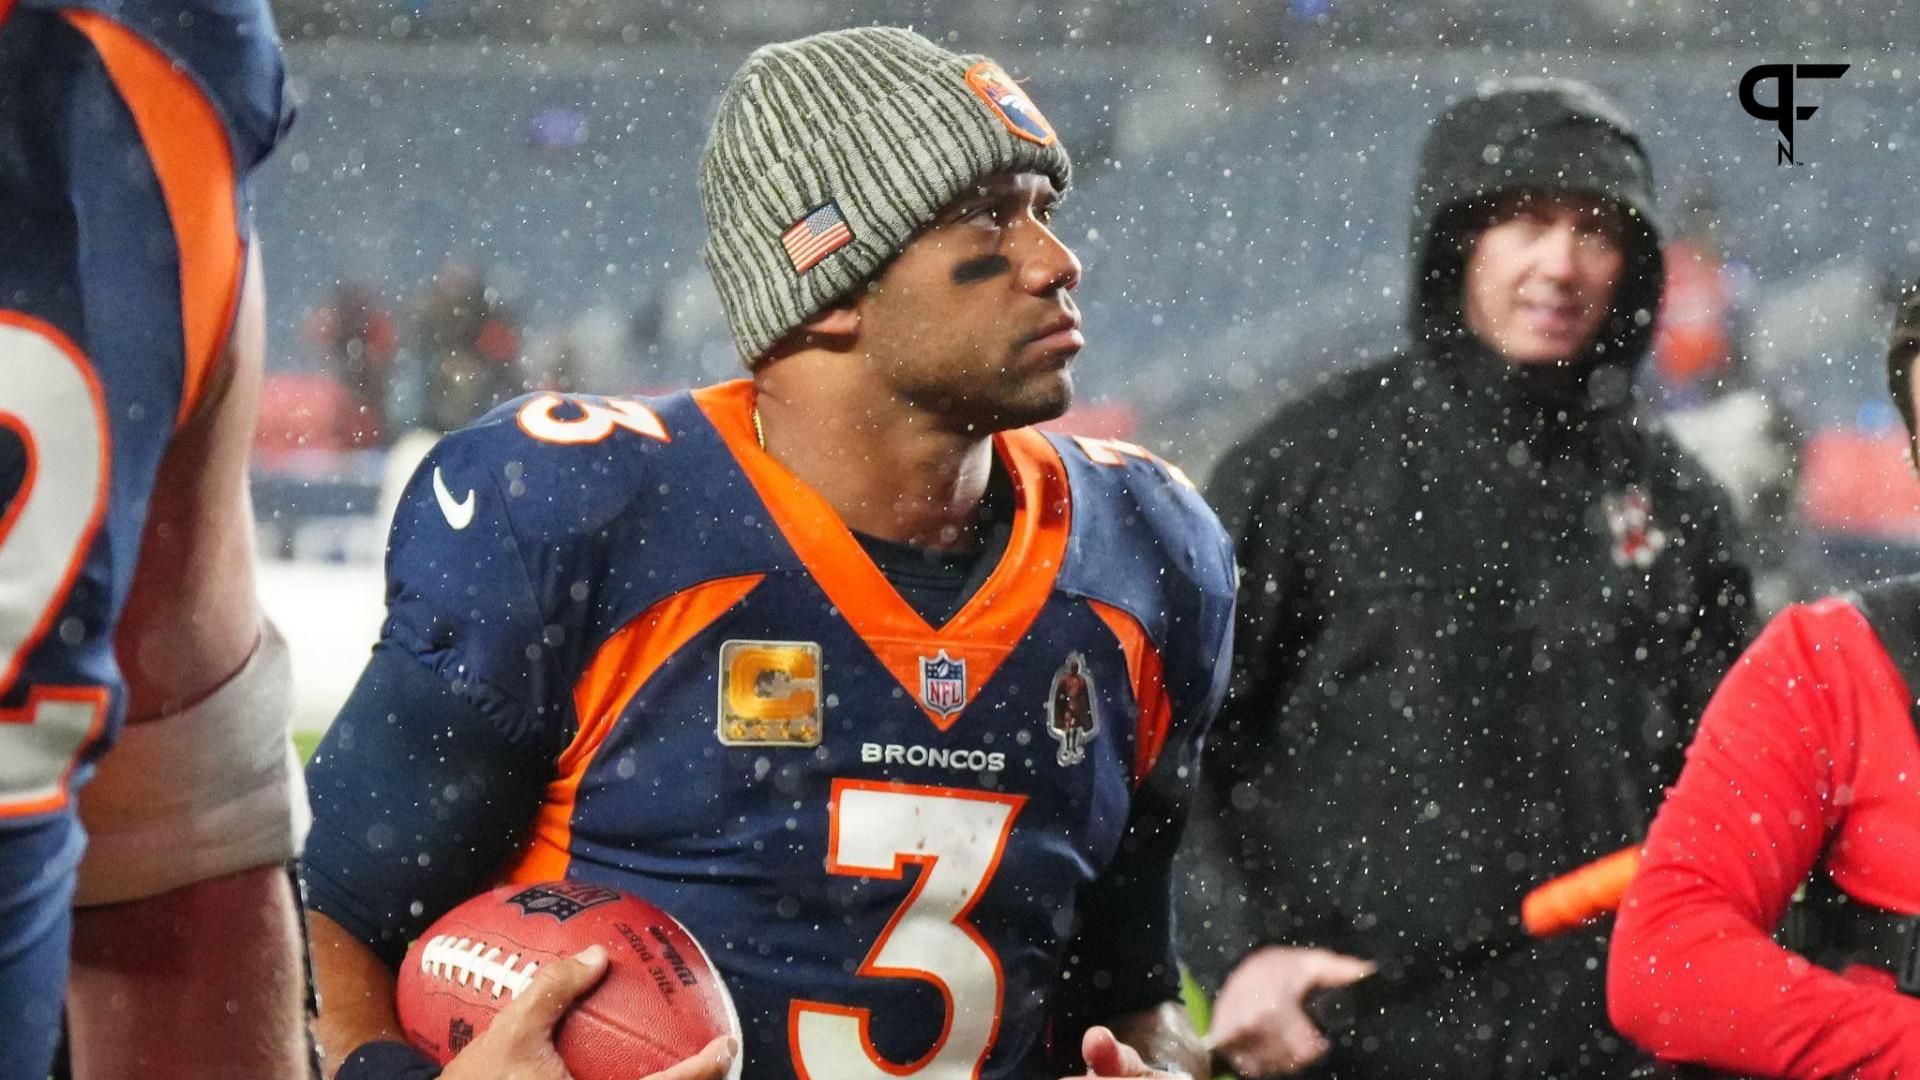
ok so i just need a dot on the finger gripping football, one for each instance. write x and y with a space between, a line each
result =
660 1002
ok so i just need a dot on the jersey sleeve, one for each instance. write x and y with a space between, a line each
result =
1694 974
230 49
1123 958
430 775
417 801
461 596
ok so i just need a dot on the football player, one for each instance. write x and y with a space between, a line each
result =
130 359
781 655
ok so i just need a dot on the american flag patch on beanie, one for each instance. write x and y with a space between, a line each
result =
821 233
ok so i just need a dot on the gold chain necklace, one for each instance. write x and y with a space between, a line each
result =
759 430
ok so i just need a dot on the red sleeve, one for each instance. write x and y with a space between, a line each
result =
1809 722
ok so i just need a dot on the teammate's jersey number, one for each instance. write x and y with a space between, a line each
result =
51 402
958 838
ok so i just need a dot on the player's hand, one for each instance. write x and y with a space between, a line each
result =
1260 1026
711 1063
519 1043
1108 1058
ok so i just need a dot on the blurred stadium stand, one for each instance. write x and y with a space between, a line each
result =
1257 33
1233 230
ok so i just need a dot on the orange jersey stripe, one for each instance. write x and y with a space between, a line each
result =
616 673
1148 676
993 621
193 161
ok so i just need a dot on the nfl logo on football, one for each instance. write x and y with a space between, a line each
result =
943 683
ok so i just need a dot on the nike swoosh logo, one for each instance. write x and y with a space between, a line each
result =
459 512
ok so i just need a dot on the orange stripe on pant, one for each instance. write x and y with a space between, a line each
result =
616 673
193 160
1149 687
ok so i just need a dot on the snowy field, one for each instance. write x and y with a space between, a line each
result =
330 614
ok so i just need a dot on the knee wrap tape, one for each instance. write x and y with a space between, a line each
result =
209 791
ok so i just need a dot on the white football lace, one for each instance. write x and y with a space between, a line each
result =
466 962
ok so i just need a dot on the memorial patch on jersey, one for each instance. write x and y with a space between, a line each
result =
770 693
943 683
1071 718
1010 103
562 899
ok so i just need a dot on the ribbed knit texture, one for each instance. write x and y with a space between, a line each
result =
878 120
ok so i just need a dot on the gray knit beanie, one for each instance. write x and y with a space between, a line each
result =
831 152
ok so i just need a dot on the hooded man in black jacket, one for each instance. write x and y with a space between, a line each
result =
1483 601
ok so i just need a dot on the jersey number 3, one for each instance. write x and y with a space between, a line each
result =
957 837
51 403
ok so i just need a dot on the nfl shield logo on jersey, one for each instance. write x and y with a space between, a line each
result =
943 683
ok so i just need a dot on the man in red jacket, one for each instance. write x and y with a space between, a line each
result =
1805 769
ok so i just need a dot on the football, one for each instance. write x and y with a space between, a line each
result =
659 1003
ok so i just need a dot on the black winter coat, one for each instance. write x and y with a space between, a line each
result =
1481 607
1475 631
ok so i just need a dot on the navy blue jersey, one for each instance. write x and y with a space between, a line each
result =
126 133
908 848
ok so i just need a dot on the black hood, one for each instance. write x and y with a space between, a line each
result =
1535 135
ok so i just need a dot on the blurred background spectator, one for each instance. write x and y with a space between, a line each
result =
357 345
1701 378
463 353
